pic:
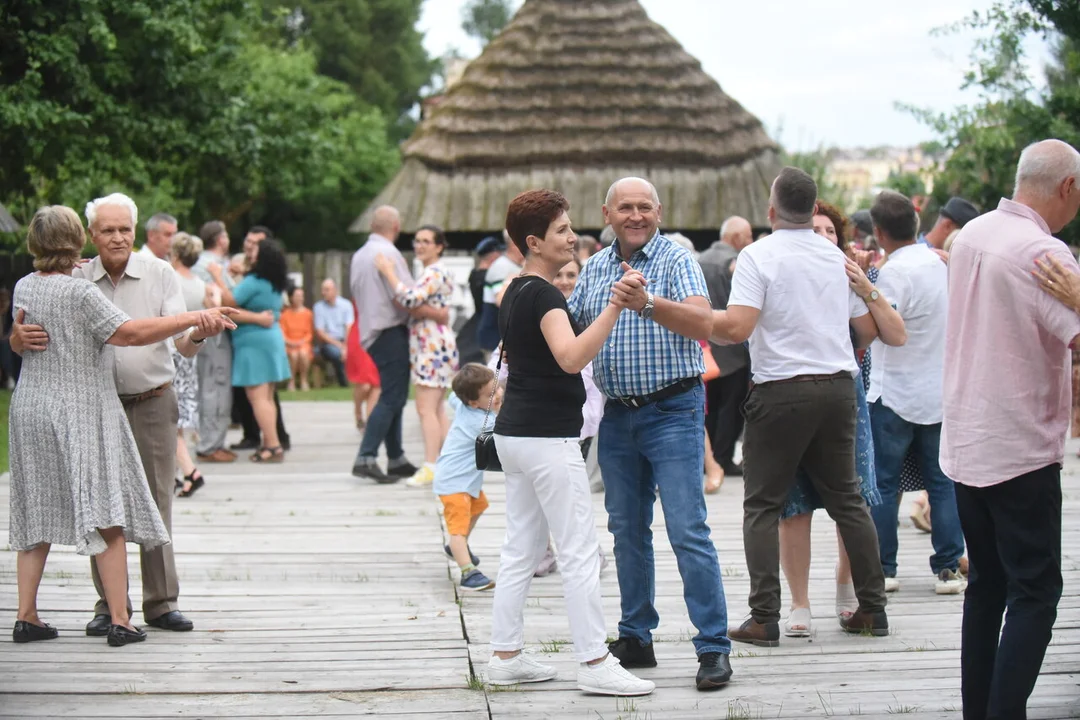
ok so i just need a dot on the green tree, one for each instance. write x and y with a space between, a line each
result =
186 107
906 183
485 19
816 164
984 140
372 46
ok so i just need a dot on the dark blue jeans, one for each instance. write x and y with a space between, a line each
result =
390 351
1013 532
893 436
333 354
661 445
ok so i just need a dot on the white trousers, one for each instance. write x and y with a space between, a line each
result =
547 491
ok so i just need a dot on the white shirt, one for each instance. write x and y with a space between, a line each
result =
796 279
907 379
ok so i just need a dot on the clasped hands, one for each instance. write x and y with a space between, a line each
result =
213 321
629 292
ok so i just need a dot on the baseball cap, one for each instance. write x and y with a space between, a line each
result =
862 221
493 243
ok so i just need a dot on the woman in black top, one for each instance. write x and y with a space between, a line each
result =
536 434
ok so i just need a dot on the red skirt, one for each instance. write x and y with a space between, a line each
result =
359 367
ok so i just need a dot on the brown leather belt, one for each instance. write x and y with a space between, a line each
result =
156 392
807 378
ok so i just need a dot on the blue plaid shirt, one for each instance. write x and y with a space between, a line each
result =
641 356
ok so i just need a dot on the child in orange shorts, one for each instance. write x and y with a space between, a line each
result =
457 481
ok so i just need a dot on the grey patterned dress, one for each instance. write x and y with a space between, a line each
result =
74 463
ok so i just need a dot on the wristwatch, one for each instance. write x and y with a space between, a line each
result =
646 312
874 295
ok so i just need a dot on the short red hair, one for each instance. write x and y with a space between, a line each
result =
531 213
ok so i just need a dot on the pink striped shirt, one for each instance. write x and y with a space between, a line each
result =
1007 384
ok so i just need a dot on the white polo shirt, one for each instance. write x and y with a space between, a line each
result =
907 379
797 280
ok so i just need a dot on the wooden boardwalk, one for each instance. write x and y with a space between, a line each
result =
318 595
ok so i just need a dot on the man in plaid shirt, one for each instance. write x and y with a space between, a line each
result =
652 435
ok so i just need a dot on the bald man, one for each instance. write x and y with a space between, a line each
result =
723 395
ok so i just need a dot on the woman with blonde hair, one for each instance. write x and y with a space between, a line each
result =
76 476
184 252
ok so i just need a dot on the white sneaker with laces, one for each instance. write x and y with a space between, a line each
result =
950 582
891 584
519 669
611 678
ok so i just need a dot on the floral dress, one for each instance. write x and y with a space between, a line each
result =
432 347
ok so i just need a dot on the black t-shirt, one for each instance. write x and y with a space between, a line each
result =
541 399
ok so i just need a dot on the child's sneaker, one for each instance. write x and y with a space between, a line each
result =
422 477
476 580
519 669
950 582
472 558
611 678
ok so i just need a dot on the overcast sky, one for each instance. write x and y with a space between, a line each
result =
826 71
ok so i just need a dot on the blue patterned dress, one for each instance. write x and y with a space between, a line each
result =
803 498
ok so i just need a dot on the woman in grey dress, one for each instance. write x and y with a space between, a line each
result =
76 476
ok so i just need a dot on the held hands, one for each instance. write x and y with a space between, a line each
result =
27 337
629 292
1058 280
209 323
857 279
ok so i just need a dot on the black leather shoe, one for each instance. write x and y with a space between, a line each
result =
25 632
172 620
120 636
245 444
866 623
99 626
633 654
714 671
373 472
404 470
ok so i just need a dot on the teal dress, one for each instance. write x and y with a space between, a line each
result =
258 353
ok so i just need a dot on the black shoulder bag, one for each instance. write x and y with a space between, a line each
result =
487 456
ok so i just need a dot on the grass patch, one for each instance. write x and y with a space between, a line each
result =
332 393
5 400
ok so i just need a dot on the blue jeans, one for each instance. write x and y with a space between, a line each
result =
390 351
661 445
892 437
332 353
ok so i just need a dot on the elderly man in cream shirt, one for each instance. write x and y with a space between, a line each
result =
142 287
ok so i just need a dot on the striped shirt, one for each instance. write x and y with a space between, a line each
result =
641 356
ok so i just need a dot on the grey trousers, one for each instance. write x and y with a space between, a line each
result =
153 422
812 424
215 393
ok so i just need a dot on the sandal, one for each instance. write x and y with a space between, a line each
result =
265 454
799 623
197 481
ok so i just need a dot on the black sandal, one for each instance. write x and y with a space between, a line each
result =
276 455
197 481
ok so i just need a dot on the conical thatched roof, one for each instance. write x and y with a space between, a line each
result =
573 95
7 223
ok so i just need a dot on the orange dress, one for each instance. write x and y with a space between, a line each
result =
298 326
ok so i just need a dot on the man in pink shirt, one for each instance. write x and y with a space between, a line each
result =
1007 396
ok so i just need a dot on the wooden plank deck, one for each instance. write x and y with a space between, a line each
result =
318 595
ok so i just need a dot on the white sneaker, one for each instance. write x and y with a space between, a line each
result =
891 584
519 669
950 582
611 678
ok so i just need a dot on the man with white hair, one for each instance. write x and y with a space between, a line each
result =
160 229
652 434
1006 410
141 287
724 395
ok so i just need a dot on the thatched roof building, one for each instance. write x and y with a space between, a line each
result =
7 222
572 95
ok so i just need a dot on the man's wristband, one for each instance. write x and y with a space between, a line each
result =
200 341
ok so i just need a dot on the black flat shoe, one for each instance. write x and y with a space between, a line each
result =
173 620
120 636
197 481
99 626
245 444
25 632
407 469
714 671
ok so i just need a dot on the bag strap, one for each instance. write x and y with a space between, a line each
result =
498 363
